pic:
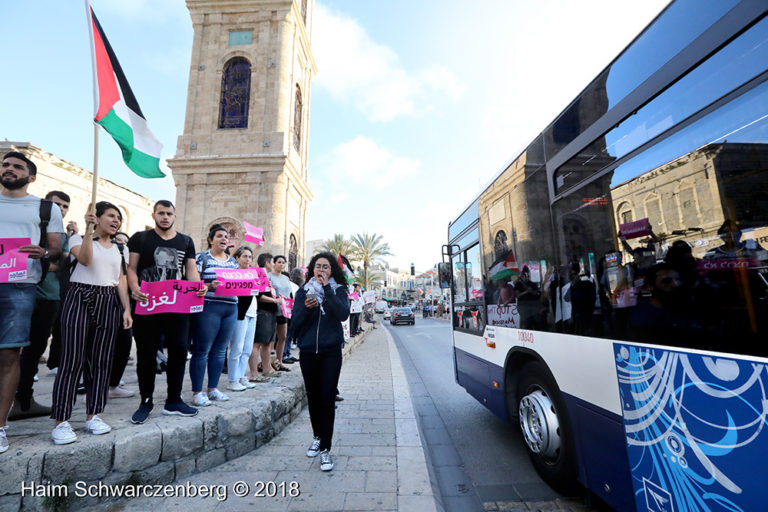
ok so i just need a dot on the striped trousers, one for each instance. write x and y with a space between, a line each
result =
90 318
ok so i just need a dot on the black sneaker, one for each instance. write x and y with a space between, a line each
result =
178 409
142 413
81 389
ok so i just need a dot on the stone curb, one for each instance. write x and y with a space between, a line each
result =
165 449
414 488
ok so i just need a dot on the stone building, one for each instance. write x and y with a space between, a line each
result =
243 153
54 173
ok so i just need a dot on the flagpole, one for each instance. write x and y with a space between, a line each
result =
94 185
95 166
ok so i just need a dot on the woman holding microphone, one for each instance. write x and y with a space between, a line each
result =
320 307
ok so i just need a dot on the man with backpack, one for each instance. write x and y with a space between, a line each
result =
46 314
22 216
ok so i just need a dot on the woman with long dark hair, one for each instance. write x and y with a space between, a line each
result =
95 307
320 307
241 344
213 327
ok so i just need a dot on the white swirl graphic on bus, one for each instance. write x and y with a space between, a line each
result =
694 427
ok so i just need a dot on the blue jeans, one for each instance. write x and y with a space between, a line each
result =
240 348
211 334
17 302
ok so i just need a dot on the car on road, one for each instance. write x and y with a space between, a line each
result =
388 314
402 315
380 306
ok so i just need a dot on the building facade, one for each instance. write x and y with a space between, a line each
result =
243 153
54 173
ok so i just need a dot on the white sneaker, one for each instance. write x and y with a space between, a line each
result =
96 426
3 441
120 392
35 379
52 372
63 434
201 399
236 386
217 395
326 462
245 382
314 448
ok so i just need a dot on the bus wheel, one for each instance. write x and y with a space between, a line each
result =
545 428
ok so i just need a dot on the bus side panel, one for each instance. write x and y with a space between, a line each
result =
477 377
603 461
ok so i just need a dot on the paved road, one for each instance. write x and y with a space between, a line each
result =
478 461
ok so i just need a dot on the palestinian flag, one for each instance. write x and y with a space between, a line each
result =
117 110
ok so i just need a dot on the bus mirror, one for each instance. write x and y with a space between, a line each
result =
444 274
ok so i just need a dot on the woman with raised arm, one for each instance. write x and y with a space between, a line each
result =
320 307
94 308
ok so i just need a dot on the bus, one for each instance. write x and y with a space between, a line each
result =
609 287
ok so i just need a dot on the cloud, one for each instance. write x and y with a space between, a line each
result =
361 160
355 69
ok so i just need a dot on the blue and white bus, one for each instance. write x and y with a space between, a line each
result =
610 286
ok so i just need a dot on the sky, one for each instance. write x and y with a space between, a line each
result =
416 105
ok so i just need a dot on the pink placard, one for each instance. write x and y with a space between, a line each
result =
635 229
253 234
354 296
240 282
171 296
287 306
13 264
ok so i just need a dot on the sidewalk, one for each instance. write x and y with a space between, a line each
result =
377 450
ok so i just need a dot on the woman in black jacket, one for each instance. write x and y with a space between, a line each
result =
321 305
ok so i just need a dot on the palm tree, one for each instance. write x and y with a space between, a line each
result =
369 250
338 244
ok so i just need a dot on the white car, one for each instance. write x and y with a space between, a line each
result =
387 313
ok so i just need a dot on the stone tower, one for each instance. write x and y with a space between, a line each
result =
243 153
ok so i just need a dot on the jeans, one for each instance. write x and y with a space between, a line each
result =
212 329
17 302
240 348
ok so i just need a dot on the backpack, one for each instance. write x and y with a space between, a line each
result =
45 217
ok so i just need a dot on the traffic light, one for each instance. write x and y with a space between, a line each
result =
413 270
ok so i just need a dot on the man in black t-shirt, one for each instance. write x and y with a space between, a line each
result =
161 254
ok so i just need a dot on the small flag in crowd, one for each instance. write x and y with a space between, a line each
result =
117 110
253 234
346 266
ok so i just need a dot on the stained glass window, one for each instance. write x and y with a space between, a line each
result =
235 94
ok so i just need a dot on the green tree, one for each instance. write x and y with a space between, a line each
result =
369 251
338 244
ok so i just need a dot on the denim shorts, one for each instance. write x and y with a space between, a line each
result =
17 302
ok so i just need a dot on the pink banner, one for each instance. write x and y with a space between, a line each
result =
170 297
240 282
13 264
287 307
253 234
635 229
353 296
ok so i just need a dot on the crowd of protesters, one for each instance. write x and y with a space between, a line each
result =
81 292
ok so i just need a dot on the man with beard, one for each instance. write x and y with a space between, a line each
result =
663 319
20 218
161 254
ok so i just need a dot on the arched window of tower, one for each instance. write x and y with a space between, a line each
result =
235 93
297 121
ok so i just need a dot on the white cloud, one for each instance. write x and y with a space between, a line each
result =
356 69
361 160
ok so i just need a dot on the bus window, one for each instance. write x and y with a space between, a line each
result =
679 234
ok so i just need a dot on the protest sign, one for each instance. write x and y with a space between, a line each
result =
13 264
253 234
287 307
370 297
172 296
239 282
